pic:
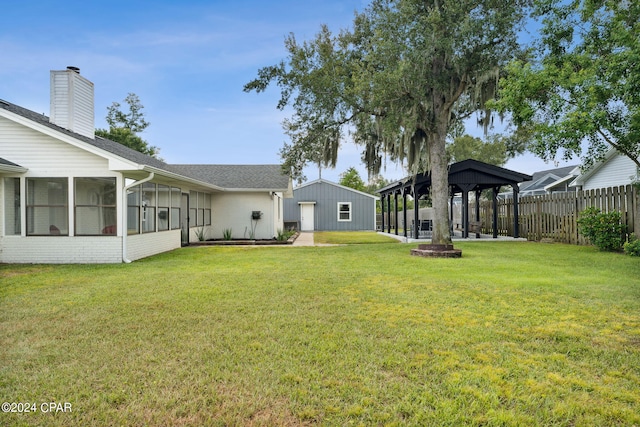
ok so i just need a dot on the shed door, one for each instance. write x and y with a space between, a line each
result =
306 217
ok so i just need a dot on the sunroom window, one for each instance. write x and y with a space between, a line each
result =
133 210
95 213
12 204
176 203
148 207
164 203
47 207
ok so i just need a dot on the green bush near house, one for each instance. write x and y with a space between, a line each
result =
284 235
226 234
512 333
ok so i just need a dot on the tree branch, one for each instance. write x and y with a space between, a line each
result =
620 148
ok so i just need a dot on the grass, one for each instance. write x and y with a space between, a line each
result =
511 334
350 237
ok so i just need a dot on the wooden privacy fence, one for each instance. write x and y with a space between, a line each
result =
555 216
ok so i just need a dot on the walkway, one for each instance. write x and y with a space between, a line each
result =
457 237
304 239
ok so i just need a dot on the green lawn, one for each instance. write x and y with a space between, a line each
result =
511 334
350 237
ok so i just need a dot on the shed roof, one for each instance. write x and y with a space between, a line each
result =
326 182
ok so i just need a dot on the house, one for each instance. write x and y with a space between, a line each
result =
68 196
327 206
614 170
549 181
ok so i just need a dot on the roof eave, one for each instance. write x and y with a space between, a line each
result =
13 169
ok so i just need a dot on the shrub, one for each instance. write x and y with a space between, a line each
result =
284 235
226 234
632 247
201 234
603 229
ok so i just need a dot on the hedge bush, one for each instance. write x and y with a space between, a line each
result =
603 229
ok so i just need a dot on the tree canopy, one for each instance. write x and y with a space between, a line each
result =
396 82
351 178
125 126
577 93
492 151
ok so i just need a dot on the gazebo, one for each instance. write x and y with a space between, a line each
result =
464 177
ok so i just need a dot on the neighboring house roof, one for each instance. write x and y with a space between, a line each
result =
324 181
7 166
563 183
238 177
219 177
546 178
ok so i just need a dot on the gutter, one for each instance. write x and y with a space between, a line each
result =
125 226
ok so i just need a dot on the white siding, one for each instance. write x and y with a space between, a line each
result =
144 245
618 170
44 155
72 103
234 211
60 250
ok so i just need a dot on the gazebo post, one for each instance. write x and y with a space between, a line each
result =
478 212
389 212
395 211
404 211
516 224
465 213
382 211
416 208
495 211
451 210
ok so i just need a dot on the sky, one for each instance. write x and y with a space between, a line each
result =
187 61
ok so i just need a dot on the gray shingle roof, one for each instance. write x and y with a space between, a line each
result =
8 163
263 177
535 178
268 177
99 142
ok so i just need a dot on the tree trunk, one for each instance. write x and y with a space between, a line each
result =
440 187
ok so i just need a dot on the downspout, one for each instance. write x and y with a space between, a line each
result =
125 225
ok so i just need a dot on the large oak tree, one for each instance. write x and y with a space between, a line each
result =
396 82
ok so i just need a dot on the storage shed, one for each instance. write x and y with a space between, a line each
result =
326 206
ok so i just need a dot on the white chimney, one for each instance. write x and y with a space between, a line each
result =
72 102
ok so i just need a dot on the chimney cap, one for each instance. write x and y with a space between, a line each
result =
74 69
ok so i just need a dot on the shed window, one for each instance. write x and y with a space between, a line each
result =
344 211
